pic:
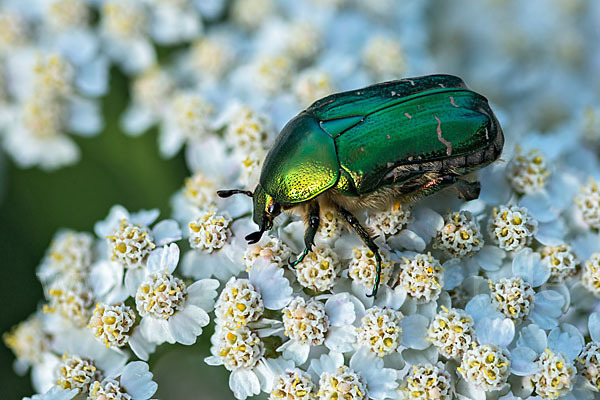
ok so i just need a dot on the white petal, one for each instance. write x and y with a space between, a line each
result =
111 222
213 361
494 186
528 266
133 279
144 217
340 310
465 390
549 302
499 331
295 351
202 293
407 239
490 257
340 339
585 245
391 298
187 324
551 233
426 223
594 326
105 275
533 337
414 331
453 274
427 356
136 379
268 369
269 281
163 259
566 338
156 330
137 120
381 382
244 383
326 363
480 307
523 361
85 118
165 232
140 346
539 206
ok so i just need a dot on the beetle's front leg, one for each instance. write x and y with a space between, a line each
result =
310 232
368 240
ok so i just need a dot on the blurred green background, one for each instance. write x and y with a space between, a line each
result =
114 169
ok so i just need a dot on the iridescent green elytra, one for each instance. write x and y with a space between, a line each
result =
391 142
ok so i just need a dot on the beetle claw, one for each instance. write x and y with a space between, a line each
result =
254 237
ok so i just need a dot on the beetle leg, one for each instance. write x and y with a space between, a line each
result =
310 232
468 190
366 238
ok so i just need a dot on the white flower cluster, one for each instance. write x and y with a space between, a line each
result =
484 299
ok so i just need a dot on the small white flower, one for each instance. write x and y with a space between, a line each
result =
485 366
305 322
591 274
344 383
269 248
209 232
112 324
319 270
363 267
294 384
171 311
561 261
247 131
384 57
422 277
311 85
392 221
238 304
460 236
133 382
72 301
380 330
250 14
130 244
451 331
70 252
513 297
512 227
427 381
271 73
555 376
211 56
199 191
588 204
28 342
78 373
528 172
67 14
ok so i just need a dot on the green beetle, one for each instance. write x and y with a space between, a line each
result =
391 142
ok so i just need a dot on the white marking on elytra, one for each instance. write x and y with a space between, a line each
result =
388 137
393 93
442 85
362 148
407 115
418 106
440 138
453 103
487 134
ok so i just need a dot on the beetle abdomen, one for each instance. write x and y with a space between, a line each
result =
429 126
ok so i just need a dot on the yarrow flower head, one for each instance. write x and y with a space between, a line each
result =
422 277
363 267
588 204
70 253
319 270
73 302
452 331
209 232
238 348
130 244
485 366
78 373
133 382
268 247
28 341
392 221
561 260
591 274
555 376
305 322
199 191
239 304
460 236
426 381
528 173
384 57
512 228
513 297
294 384
112 324
380 330
247 131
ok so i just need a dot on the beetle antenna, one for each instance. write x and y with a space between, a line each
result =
254 236
231 192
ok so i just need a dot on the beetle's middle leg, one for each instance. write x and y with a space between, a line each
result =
366 238
313 220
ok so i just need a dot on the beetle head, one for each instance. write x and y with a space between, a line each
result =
265 210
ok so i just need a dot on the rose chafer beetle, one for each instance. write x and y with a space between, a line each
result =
395 141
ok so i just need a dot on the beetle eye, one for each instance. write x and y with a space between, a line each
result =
273 208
